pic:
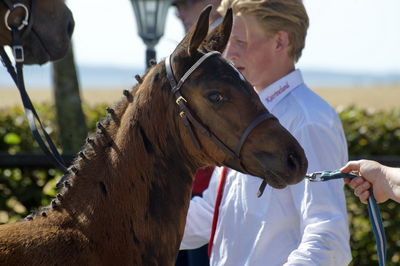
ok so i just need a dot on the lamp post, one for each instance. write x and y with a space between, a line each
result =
150 19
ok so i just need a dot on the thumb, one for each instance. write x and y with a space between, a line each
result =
351 166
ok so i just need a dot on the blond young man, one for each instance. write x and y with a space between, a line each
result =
303 224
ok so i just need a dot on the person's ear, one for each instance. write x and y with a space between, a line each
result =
281 40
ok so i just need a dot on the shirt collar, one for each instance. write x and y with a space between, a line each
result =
274 93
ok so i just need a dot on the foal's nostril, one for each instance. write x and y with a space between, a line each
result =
293 161
70 27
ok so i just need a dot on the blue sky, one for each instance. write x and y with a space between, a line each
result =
355 36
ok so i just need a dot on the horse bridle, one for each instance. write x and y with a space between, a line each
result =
15 30
16 74
189 119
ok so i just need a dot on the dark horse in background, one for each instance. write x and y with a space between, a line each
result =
125 199
48 33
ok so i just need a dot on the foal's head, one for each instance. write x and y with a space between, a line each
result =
219 98
48 33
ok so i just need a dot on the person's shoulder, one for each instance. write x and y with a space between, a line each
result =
310 99
311 106
303 108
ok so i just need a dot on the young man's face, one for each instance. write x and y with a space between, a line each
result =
253 52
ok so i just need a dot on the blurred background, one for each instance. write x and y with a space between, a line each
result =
351 44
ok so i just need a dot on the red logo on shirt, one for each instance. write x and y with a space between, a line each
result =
278 92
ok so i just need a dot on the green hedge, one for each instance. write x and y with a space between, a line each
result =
372 133
369 133
26 188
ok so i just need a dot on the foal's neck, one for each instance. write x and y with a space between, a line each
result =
135 185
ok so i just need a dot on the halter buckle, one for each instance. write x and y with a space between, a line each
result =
18 52
180 98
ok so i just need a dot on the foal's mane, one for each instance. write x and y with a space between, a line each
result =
151 88
134 122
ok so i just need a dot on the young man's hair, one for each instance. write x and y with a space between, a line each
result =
275 15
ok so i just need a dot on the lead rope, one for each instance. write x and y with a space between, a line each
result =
218 200
373 210
377 228
32 116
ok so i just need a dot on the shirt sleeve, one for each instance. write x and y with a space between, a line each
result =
200 215
321 206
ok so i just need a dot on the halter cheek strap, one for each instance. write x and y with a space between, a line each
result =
189 120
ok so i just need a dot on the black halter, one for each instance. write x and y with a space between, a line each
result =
16 74
190 120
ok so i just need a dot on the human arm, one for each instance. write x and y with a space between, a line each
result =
385 181
200 215
321 206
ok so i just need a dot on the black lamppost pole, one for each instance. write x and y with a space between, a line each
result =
150 19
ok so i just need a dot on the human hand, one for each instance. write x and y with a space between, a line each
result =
370 173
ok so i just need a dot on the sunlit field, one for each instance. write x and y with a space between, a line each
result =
380 97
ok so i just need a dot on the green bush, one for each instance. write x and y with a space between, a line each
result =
369 133
26 188
372 133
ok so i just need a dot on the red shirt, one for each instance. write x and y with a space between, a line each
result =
202 179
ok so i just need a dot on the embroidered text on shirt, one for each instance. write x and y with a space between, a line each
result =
278 92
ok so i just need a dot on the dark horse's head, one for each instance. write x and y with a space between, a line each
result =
218 97
47 36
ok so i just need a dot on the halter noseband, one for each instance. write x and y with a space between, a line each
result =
190 120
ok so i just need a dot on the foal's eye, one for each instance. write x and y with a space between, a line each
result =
216 97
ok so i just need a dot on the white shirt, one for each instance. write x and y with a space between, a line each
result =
303 224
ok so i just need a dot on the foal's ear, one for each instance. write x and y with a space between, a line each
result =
219 36
199 33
